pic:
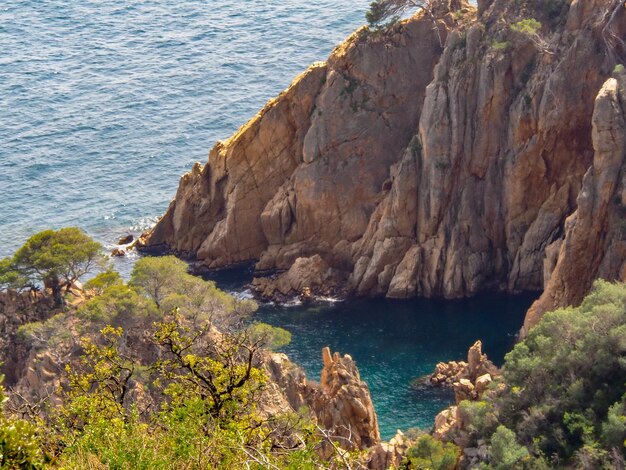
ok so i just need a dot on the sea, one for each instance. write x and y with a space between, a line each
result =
105 104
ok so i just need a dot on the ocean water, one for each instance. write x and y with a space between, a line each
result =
395 342
104 104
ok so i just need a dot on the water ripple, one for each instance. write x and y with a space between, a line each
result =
105 104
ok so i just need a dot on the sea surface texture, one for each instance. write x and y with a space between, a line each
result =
105 104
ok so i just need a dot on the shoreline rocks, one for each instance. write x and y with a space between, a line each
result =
412 169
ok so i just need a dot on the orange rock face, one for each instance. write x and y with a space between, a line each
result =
412 169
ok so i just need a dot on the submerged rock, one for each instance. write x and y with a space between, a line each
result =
126 240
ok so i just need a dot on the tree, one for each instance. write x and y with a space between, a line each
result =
563 401
218 368
57 259
429 453
384 13
157 277
10 278
270 337
165 281
506 453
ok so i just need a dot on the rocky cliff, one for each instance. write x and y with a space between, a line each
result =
444 157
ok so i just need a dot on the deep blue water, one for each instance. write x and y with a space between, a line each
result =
104 104
394 342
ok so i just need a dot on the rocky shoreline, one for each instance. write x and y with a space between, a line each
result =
402 168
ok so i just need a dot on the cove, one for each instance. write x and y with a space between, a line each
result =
394 342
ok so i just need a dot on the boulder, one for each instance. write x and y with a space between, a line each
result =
126 240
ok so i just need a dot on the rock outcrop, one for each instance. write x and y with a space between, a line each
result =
471 380
595 234
17 309
468 379
428 161
340 403
305 175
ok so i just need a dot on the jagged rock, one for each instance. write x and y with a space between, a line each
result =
464 390
270 192
477 363
595 235
304 278
118 252
390 454
340 404
446 373
482 383
343 405
445 422
459 374
427 171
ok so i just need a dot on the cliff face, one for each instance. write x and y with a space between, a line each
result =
594 245
413 169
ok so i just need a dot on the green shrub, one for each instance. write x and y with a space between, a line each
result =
528 26
271 337
506 453
429 453
500 45
19 445
102 281
565 390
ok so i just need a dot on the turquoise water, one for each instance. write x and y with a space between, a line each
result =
394 342
105 104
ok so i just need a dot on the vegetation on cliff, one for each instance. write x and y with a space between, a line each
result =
563 401
165 371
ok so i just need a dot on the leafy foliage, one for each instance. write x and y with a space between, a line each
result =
565 398
158 385
429 453
528 26
102 281
384 13
10 278
55 259
270 337
19 445
506 453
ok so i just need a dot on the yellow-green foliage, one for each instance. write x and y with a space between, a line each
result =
528 26
271 337
500 45
430 454
102 281
206 417
19 445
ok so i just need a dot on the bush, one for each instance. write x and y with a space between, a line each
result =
429 453
102 281
19 446
506 453
269 336
566 392
529 26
